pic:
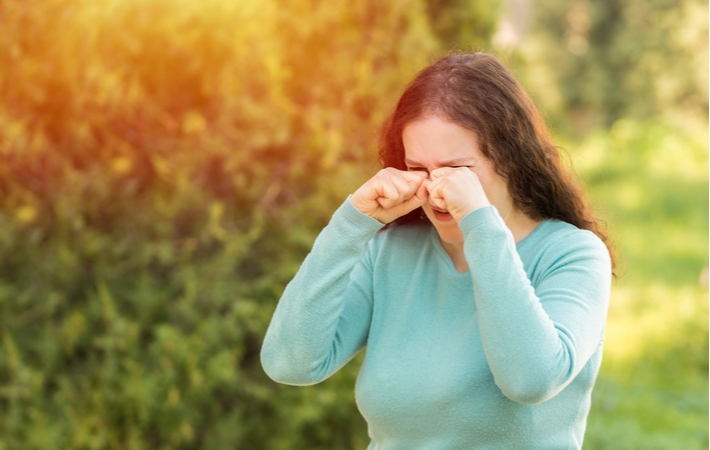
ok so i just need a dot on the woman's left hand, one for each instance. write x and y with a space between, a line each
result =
457 190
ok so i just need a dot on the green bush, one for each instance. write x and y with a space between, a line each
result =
164 168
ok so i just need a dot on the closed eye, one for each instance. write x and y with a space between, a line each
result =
417 169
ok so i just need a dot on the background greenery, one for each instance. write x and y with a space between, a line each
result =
165 166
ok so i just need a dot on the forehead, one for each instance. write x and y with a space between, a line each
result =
440 142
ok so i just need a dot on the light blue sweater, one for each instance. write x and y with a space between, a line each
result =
501 357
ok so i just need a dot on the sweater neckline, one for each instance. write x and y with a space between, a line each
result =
534 235
449 264
445 258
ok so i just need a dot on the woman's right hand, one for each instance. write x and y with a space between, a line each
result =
390 194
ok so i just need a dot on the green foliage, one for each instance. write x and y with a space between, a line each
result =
626 83
165 166
652 175
651 181
463 24
599 61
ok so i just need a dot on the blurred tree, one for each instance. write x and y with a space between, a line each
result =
165 166
592 63
463 24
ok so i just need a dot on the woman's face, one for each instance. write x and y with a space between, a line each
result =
431 143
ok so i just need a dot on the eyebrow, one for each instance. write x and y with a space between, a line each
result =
451 162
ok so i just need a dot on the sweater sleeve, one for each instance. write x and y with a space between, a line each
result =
323 317
536 338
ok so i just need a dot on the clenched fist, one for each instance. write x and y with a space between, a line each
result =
390 194
456 190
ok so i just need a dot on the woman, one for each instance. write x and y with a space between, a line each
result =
483 303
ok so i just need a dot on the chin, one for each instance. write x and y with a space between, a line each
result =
450 236
448 231
451 240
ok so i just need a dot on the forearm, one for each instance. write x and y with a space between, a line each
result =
299 347
536 339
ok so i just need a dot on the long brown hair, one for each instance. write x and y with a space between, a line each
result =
477 92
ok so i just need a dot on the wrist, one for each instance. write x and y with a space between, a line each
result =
459 214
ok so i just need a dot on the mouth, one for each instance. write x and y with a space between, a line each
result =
442 215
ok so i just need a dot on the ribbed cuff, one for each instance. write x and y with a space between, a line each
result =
347 211
478 218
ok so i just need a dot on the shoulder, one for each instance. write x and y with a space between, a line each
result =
555 235
555 245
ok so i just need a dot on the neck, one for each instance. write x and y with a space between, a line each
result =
455 252
519 224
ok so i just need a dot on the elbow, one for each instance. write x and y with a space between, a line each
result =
282 370
536 382
282 373
274 370
528 397
529 392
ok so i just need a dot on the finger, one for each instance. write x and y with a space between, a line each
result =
422 193
435 186
407 183
387 192
420 196
436 193
440 172
405 186
414 177
413 202
438 202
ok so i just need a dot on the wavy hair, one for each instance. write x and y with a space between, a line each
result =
478 93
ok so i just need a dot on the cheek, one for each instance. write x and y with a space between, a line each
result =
493 184
484 178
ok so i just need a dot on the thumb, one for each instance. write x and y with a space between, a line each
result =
415 201
414 178
422 193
